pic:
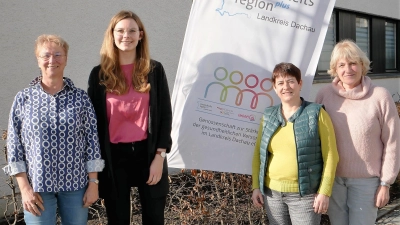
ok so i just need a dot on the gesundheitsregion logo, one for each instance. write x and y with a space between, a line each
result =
251 81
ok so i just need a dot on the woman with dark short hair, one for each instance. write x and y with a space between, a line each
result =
295 156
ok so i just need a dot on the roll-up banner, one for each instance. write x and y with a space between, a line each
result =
223 82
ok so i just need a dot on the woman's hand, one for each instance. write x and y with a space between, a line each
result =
31 201
321 203
91 195
258 198
381 196
156 169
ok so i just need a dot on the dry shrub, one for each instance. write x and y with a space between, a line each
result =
200 197
206 197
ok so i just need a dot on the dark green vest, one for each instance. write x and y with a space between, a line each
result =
308 144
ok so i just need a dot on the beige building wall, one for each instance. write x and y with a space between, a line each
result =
82 24
387 8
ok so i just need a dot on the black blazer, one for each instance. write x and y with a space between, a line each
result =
158 134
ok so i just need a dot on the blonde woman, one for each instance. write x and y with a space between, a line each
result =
367 131
52 143
131 98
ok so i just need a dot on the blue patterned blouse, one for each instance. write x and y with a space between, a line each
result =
53 138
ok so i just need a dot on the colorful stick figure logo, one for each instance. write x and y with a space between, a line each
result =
251 78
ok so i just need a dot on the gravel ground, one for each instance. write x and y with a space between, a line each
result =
391 218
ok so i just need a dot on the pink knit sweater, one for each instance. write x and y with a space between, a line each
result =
367 129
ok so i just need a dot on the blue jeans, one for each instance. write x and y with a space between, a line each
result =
353 201
70 208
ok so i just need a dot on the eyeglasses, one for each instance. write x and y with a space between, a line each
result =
121 32
56 56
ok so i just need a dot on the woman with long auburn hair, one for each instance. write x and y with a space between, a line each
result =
111 74
131 98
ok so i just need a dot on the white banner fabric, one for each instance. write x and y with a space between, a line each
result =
223 82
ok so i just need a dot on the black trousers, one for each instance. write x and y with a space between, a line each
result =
131 170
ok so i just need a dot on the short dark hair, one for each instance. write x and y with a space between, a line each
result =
284 69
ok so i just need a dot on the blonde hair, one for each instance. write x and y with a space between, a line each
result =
110 74
347 49
47 38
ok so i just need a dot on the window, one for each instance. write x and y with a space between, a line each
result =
377 36
390 46
362 34
329 44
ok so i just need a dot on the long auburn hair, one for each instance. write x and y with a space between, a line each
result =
111 75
